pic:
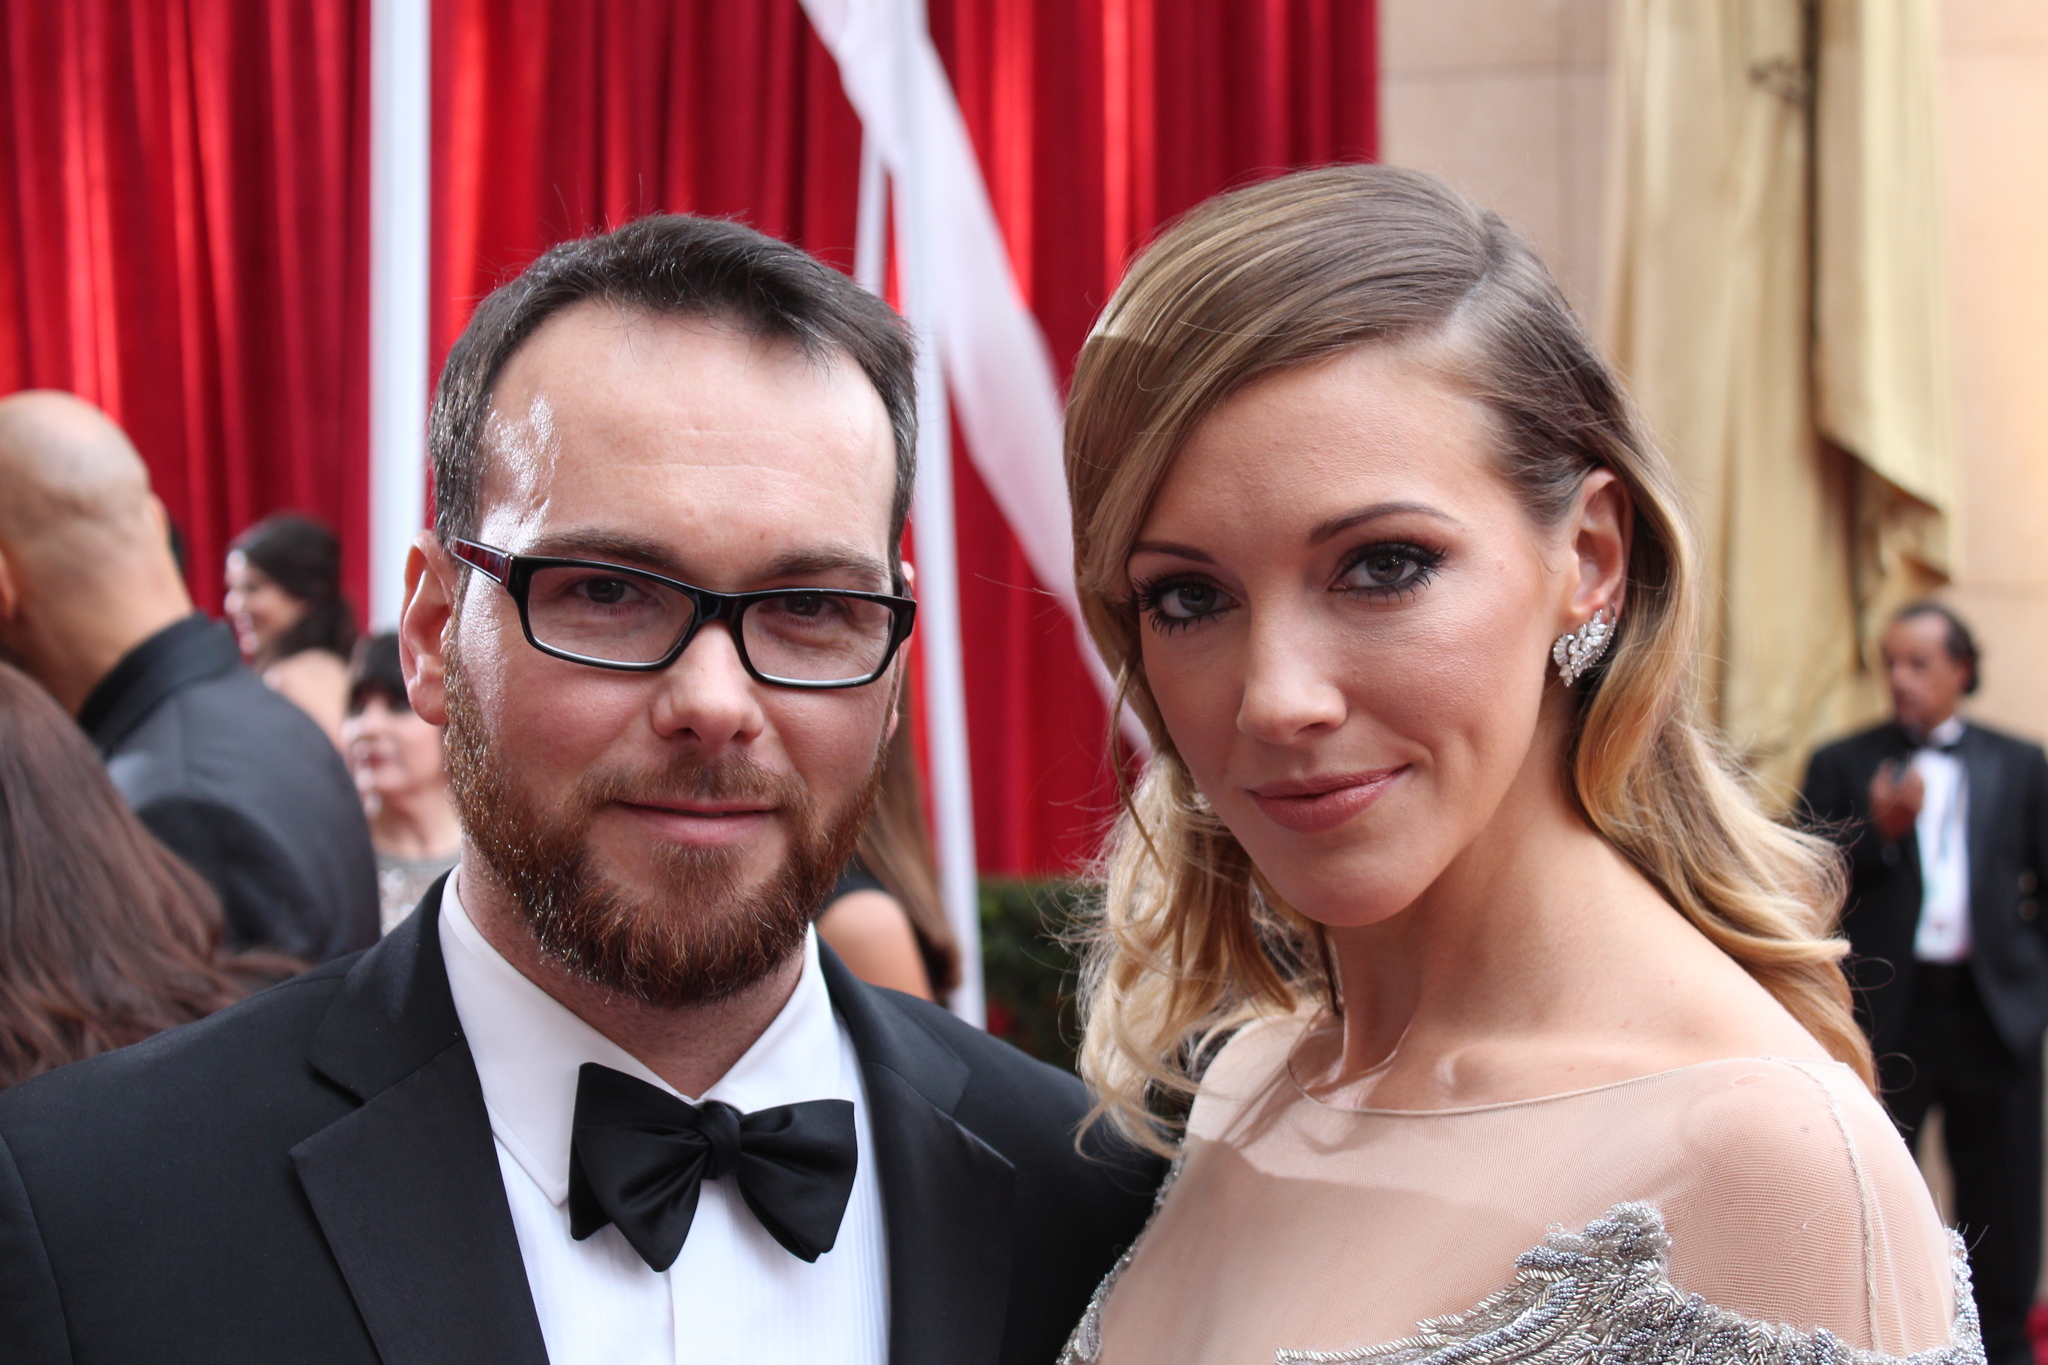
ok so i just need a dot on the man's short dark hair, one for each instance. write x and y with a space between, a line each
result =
669 265
1960 643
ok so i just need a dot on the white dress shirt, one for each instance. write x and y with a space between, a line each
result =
734 1294
1942 827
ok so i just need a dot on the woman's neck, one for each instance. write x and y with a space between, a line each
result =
1538 961
415 825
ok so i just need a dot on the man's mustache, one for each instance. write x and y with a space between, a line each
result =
686 780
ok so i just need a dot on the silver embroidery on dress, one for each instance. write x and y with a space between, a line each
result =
1601 1296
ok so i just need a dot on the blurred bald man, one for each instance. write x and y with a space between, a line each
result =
239 782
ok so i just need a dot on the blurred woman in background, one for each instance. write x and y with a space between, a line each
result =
294 627
105 936
885 918
399 770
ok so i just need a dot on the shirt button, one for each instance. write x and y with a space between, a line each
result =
2027 883
2029 908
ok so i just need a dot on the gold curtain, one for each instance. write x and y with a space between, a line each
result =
1881 343
1763 337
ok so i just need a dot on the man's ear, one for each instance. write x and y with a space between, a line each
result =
430 596
10 590
1601 533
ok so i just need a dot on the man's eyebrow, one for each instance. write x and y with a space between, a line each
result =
620 546
807 563
642 552
1339 524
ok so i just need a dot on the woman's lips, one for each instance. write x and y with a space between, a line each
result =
1315 804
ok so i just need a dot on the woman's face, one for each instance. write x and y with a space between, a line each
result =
1345 618
259 610
391 751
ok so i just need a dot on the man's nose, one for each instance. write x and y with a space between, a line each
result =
707 695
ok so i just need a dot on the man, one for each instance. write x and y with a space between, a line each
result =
603 1098
235 779
1945 822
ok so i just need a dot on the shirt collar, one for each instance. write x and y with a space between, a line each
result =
1946 733
527 1046
188 650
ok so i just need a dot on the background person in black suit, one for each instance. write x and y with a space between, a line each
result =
479 1141
1946 826
234 778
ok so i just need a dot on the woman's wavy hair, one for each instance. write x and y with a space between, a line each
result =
1283 274
105 936
302 556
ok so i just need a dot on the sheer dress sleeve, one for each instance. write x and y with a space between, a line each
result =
1777 1192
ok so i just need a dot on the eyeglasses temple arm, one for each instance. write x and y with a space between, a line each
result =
496 563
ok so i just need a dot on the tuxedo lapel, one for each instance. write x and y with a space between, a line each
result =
1984 798
406 1188
946 1195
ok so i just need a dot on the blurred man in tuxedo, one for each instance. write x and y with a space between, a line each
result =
93 607
604 1097
1945 823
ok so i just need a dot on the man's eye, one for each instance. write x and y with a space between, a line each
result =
606 592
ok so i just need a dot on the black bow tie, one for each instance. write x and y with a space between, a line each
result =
638 1156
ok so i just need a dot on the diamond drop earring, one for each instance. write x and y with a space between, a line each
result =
1578 650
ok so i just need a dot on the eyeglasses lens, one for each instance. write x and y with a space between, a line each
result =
817 636
621 617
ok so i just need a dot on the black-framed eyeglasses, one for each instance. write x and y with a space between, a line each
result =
609 616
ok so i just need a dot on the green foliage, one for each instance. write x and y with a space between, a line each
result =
1030 974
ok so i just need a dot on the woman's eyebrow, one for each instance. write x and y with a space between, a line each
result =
1339 524
1168 547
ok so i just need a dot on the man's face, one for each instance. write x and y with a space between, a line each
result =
1926 682
667 833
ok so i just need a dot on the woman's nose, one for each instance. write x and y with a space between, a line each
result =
1287 690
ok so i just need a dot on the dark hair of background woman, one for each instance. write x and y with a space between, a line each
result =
374 673
896 849
302 557
105 936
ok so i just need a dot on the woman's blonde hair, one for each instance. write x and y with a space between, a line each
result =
1284 274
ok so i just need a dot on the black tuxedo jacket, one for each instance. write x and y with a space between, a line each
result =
309 1176
2007 842
242 785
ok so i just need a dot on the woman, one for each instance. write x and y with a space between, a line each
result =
884 918
1538 1026
291 621
399 770
105 937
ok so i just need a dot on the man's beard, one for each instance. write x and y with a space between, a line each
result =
699 936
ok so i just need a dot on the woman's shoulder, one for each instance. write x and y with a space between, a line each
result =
1246 1067
315 679
1794 1199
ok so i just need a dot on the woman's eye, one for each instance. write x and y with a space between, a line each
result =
1380 569
1180 603
1186 601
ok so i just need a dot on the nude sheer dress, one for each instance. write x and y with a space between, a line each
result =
1751 1210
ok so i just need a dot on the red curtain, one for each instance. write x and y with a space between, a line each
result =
184 235
184 241
1095 120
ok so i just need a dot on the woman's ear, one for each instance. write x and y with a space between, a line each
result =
1601 528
